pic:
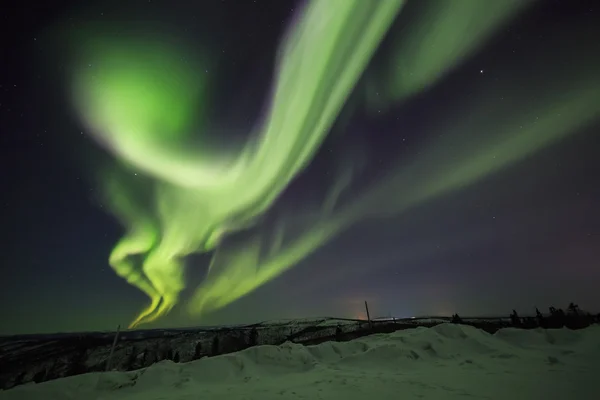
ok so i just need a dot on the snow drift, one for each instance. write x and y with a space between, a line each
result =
444 362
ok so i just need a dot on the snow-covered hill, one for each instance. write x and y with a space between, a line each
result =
447 361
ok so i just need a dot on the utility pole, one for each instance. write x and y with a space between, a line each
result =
108 362
368 315
112 349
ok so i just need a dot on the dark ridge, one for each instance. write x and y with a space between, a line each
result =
40 358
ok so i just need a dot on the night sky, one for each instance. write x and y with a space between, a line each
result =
522 235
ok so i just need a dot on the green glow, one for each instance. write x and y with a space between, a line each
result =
142 112
443 36
443 166
450 162
199 196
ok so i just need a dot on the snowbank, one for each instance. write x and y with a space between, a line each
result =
445 362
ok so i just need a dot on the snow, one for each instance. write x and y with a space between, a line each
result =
444 362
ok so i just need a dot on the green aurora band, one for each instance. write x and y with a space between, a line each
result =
141 111
200 196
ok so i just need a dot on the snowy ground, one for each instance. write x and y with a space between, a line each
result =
445 362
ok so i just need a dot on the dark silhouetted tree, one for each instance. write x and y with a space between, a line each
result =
557 318
456 319
541 321
215 346
198 351
573 309
169 354
338 333
514 319
144 360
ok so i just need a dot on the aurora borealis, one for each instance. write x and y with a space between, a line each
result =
219 217
197 202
